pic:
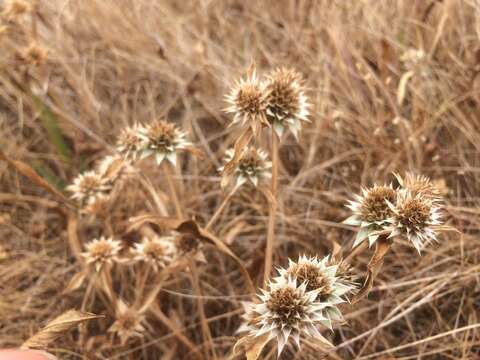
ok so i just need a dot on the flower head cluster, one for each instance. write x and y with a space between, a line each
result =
412 211
252 166
101 252
163 140
287 103
286 309
332 282
128 323
157 252
278 101
371 212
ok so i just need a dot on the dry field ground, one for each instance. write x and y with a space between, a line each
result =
394 86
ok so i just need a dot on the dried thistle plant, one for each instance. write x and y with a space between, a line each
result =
102 252
88 186
130 143
248 101
163 140
415 217
158 251
287 102
286 309
128 322
371 212
252 166
333 286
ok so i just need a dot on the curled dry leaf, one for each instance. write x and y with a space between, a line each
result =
382 246
252 346
57 327
191 227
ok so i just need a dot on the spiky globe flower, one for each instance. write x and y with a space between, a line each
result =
252 166
285 309
87 187
128 322
247 101
371 212
419 185
157 252
415 218
327 279
287 103
101 252
130 143
163 140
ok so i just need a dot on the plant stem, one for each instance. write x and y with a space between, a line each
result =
220 209
273 209
173 192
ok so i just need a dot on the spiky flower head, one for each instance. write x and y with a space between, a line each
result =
163 140
252 166
419 185
285 309
128 322
101 252
248 101
371 212
415 217
130 143
87 187
325 277
157 251
287 102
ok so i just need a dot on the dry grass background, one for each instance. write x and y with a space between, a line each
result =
113 62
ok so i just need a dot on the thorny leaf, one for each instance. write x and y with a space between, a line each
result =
251 345
57 327
382 246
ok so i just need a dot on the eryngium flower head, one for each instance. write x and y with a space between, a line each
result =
102 251
371 212
287 103
248 101
415 217
128 323
130 143
325 277
87 187
252 166
419 185
163 140
285 309
157 252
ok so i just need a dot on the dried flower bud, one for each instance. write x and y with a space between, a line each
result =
130 143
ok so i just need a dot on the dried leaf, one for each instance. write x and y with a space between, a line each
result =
27 171
75 282
252 346
382 246
57 327
402 86
240 144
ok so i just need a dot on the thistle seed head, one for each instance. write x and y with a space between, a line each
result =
157 252
102 251
87 187
130 143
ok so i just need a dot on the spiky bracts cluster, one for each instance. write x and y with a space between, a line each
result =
285 309
101 252
252 166
287 103
371 212
158 251
130 143
128 322
411 211
279 101
163 140
332 281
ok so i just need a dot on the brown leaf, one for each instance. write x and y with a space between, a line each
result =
382 246
242 141
252 346
57 327
27 171
75 282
